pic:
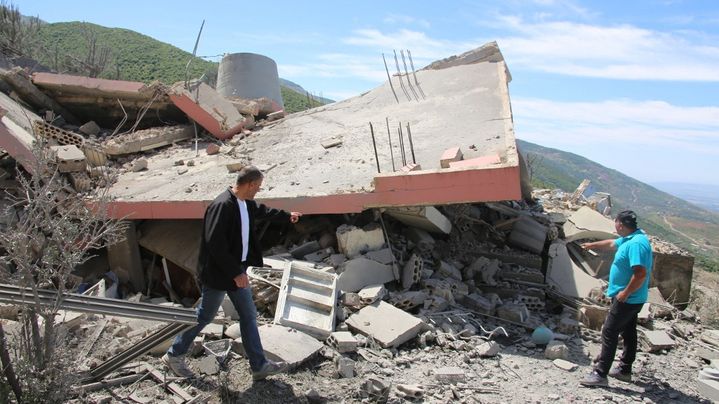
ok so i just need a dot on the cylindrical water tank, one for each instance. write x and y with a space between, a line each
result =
249 75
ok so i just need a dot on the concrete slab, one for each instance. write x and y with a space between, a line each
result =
656 340
360 272
478 92
383 256
709 389
20 82
565 365
284 344
353 241
307 300
147 139
566 276
388 325
528 234
16 131
423 217
176 240
100 99
587 223
208 108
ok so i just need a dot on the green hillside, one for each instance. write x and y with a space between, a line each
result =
694 228
133 56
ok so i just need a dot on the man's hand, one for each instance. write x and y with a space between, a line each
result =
586 246
623 296
242 281
295 217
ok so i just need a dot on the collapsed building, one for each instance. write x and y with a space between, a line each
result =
419 227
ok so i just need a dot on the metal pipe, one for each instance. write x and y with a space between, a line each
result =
389 78
389 136
411 146
374 144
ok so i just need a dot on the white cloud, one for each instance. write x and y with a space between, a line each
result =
617 52
614 122
398 19
369 68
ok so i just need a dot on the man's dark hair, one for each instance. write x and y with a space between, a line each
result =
628 218
249 174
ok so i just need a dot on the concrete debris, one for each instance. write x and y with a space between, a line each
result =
451 374
450 155
343 341
358 273
328 143
528 234
409 299
208 108
587 223
307 300
424 217
147 139
412 271
386 324
69 158
345 367
516 312
383 256
448 270
709 389
566 276
371 294
284 344
488 349
565 365
556 350
90 128
411 391
353 241
656 340
711 337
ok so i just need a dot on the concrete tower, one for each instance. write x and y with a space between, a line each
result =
249 75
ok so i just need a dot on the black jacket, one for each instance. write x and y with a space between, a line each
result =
220 259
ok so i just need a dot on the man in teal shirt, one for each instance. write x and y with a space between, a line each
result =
628 288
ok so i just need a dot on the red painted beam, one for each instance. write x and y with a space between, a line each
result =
439 187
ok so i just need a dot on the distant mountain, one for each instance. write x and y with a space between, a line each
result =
136 57
703 195
664 215
298 88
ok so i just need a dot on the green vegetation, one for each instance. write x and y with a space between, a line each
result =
72 47
552 168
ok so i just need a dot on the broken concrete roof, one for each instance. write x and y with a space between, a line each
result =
465 105
16 131
99 99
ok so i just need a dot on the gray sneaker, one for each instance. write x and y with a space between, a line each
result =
178 366
594 379
618 374
268 369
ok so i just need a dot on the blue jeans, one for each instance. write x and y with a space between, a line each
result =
206 311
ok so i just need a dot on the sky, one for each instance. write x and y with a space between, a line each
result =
632 85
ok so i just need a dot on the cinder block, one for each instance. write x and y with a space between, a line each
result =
450 155
343 341
69 158
450 374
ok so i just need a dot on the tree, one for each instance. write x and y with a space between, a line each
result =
52 234
18 34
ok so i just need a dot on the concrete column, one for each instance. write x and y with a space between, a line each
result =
124 259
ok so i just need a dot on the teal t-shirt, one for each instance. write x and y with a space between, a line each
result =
632 250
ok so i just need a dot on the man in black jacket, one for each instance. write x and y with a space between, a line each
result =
229 245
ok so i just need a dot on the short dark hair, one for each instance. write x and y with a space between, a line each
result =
249 174
628 218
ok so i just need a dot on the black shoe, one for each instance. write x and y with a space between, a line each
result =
594 379
619 374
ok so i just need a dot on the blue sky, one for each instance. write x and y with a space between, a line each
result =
633 85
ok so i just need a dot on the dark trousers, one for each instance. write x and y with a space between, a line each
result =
621 320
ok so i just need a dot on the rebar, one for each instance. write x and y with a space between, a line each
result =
411 146
374 144
409 83
389 78
399 74
401 145
389 136
411 63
